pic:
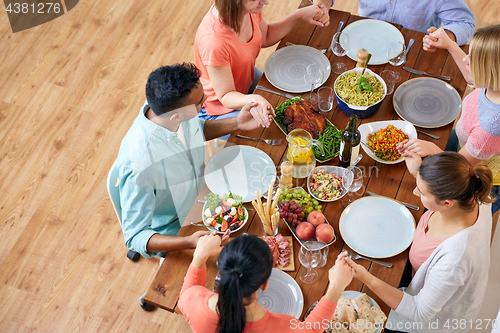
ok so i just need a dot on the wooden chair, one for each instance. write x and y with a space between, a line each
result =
114 194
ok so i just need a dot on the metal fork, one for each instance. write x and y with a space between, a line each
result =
272 142
355 256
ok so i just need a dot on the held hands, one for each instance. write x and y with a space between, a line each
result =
359 272
341 273
436 39
255 114
315 14
413 162
420 147
324 15
208 245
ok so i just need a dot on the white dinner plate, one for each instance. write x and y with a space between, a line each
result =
283 295
427 102
377 227
238 169
286 67
371 128
374 36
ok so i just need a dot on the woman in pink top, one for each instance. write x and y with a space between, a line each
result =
451 247
478 129
245 265
227 43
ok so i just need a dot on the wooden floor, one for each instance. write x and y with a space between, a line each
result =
69 90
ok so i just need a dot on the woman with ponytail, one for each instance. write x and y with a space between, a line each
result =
450 254
245 265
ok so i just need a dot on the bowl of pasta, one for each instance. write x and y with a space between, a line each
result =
362 101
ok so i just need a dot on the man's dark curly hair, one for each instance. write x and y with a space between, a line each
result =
169 86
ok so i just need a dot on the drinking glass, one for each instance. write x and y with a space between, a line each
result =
357 183
324 254
390 78
397 53
339 46
313 76
268 180
309 256
325 99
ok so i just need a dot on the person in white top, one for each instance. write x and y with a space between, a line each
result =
447 291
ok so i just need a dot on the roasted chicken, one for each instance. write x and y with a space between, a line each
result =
302 114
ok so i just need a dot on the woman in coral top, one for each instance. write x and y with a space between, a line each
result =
478 129
227 43
245 265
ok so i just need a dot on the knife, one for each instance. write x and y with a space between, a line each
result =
414 71
275 92
407 205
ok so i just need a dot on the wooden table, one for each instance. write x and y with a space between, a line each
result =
389 180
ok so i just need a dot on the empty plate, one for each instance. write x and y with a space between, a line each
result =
427 102
377 227
238 169
374 36
286 67
283 295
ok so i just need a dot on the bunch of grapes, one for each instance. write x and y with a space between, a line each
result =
297 202
292 212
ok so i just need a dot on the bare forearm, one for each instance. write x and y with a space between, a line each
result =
388 294
236 100
161 243
276 31
220 127
458 55
333 293
199 261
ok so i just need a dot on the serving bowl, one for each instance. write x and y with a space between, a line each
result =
360 111
371 128
338 171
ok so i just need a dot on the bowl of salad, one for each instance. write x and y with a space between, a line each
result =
379 139
224 212
329 183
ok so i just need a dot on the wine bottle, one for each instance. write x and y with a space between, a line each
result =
350 141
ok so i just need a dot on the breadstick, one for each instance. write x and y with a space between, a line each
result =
257 197
260 212
269 198
276 198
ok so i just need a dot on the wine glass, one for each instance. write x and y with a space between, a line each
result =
397 53
357 183
339 46
313 76
310 257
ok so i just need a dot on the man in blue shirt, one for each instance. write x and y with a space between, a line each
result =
421 15
161 159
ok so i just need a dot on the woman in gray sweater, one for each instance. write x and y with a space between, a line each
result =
450 251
